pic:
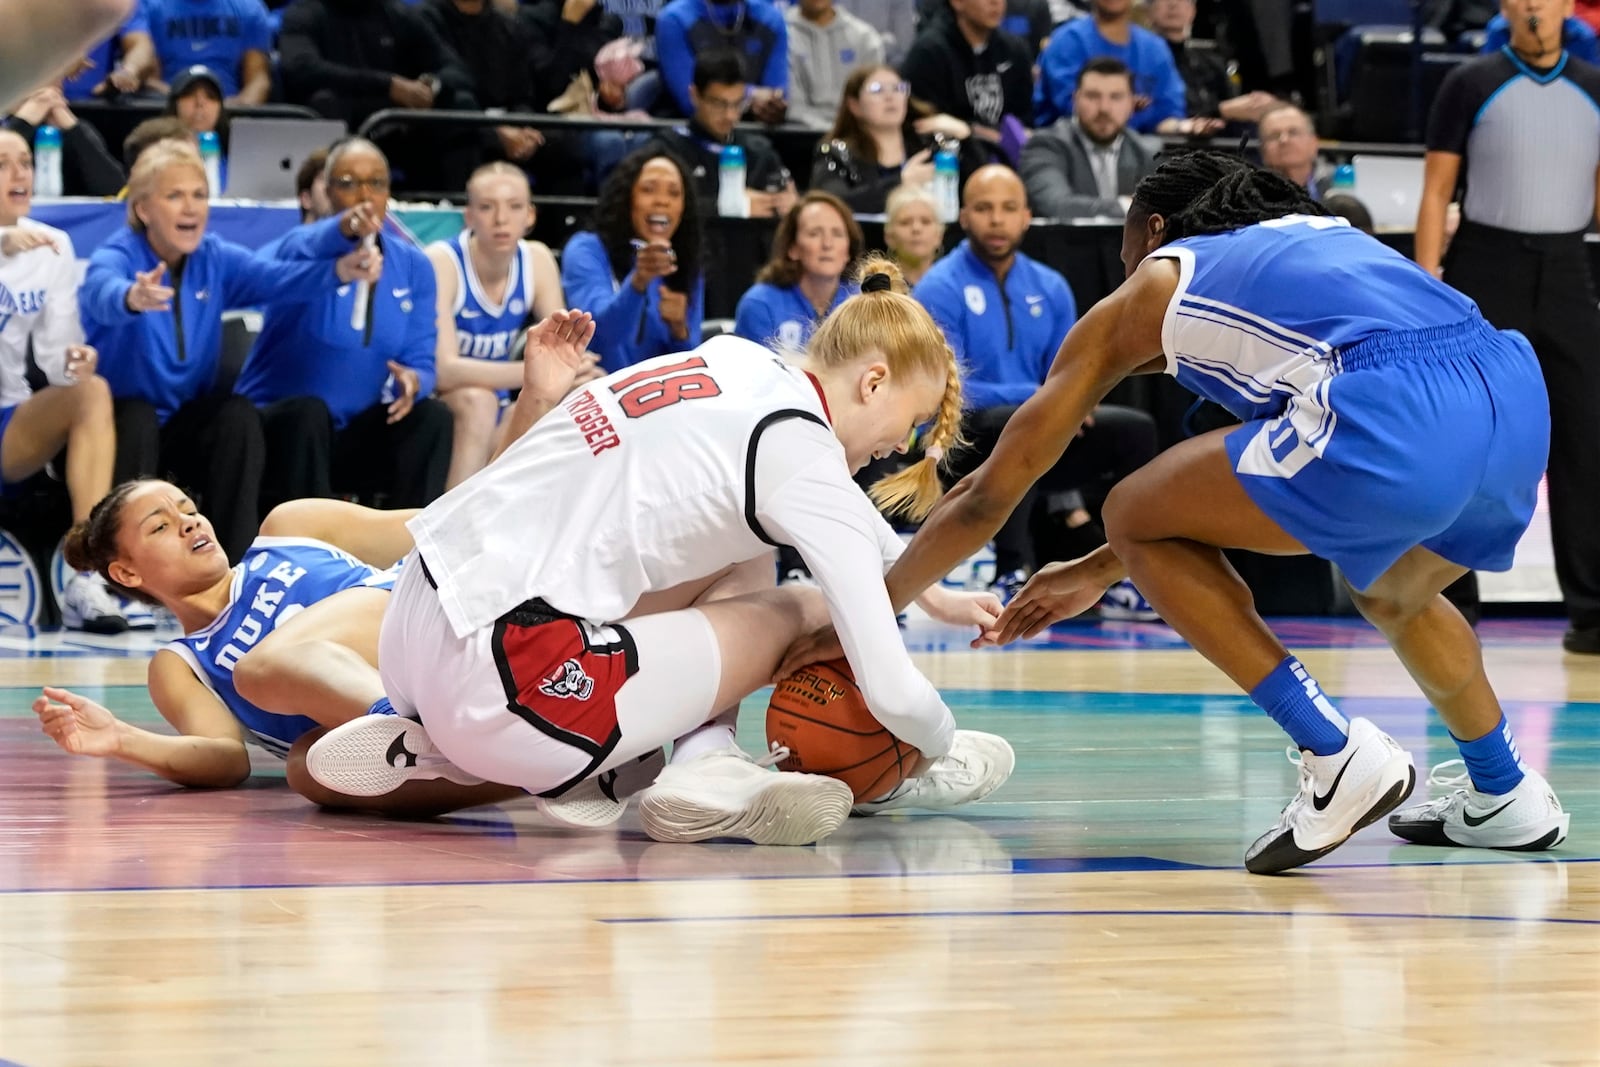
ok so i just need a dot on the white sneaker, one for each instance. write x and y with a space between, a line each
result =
728 794
976 765
1527 819
87 604
600 801
140 616
1339 794
1125 603
377 754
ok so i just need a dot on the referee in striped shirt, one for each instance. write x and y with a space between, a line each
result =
1518 133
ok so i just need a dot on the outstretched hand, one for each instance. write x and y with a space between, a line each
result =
556 353
77 724
1058 591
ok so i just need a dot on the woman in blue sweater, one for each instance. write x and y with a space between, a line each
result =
152 305
639 271
803 280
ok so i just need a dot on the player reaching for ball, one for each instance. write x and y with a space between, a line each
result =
1387 427
606 585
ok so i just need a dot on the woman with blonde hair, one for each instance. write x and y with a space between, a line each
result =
152 304
912 231
606 586
803 281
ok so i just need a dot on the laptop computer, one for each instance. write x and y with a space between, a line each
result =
1391 189
265 154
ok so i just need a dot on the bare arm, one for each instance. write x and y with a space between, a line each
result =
255 80
1119 336
210 753
378 538
139 56
1439 173
547 295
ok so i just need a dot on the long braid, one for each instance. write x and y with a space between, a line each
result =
914 490
1201 193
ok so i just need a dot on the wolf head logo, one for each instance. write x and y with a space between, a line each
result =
568 682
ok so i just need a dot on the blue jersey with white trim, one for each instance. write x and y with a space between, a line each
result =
1261 313
278 578
484 329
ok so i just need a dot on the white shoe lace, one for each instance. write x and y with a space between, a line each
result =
1437 775
779 753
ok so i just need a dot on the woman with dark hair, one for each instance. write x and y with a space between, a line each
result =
1387 428
815 244
882 138
639 270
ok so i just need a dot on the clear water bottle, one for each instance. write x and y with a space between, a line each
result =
731 200
1344 179
947 184
211 156
47 162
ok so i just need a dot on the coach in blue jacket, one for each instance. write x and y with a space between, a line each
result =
1005 314
152 304
346 397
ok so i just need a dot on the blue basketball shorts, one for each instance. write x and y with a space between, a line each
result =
1434 437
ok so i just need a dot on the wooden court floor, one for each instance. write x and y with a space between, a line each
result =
1092 911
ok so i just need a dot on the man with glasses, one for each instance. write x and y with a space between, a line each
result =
345 382
825 44
1289 148
719 95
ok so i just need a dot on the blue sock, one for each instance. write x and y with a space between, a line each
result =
1296 702
381 707
1493 760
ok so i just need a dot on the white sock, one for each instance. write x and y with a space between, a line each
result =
712 737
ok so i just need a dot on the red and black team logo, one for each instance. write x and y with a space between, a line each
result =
568 682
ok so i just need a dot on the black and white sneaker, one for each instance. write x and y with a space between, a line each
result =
598 802
1527 819
1339 794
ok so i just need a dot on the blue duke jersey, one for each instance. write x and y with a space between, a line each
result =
278 578
484 329
1261 313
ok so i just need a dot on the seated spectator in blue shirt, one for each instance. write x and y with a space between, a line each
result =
345 395
232 37
152 305
753 28
804 280
1160 95
639 271
1005 315
1576 37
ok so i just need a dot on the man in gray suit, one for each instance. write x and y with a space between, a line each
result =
1088 163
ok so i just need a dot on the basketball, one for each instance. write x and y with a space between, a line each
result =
818 714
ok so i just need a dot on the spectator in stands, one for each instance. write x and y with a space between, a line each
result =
345 397
1006 314
87 167
825 44
1289 148
152 305
638 18
311 187
912 232
232 37
803 280
493 48
1520 132
196 99
895 21
492 284
1351 210
752 30
1211 90
1160 98
346 59
39 326
965 66
565 38
718 96
1088 164
639 272
152 132
881 139
120 65
1030 21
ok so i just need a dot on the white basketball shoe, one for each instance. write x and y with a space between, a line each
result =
726 793
976 765
1339 794
1527 819
377 754
600 801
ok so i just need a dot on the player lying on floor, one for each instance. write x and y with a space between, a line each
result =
606 585
283 645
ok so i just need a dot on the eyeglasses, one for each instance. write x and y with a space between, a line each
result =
348 184
897 88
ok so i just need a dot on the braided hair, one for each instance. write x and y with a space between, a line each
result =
1206 192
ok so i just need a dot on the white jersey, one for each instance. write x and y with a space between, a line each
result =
667 472
38 303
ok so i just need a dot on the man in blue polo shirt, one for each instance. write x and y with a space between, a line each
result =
1005 314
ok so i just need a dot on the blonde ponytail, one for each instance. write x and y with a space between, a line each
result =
914 490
